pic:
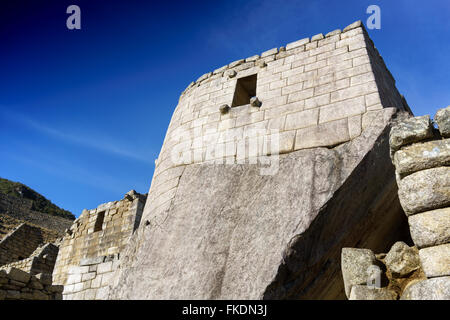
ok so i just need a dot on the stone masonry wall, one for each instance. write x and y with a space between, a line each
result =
21 209
90 237
421 155
91 280
41 261
20 243
319 91
16 284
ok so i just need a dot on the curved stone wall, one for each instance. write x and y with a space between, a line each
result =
214 226
318 91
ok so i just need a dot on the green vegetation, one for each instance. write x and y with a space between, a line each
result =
40 203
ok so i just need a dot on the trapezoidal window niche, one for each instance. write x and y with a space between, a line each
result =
245 89
99 221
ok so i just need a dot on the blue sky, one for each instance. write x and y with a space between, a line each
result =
83 113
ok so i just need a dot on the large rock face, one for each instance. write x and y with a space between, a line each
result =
232 233
218 226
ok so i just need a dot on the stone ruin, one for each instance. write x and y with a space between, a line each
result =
273 168
90 251
27 260
270 166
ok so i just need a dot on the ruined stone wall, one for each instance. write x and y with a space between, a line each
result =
16 284
92 236
42 260
20 209
20 243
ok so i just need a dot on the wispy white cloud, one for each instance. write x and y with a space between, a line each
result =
93 141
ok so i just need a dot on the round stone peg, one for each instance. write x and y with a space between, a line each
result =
231 73
254 102
224 108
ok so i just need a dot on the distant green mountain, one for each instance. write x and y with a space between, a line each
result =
39 202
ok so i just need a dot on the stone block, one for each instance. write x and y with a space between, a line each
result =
410 130
436 260
107 279
269 52
69 288
355 264
442 119
334 32
354 25
78 287
88 276
297 43
17 275
13 294
286 143
354 126
73 278
425 190
300 95
302 119
104 267
90 294
96 282
317 37
361 292
39 295
420 156
91 261
36 284
401 259
342 109
430 228
354 91
56 288
102 293
430 289
325 134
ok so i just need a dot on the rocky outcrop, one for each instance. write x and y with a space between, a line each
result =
16 284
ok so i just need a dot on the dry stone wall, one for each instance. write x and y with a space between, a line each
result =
16 284
89 244
41 261
20 243
421 155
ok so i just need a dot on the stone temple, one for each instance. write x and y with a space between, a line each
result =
270 166
279 177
